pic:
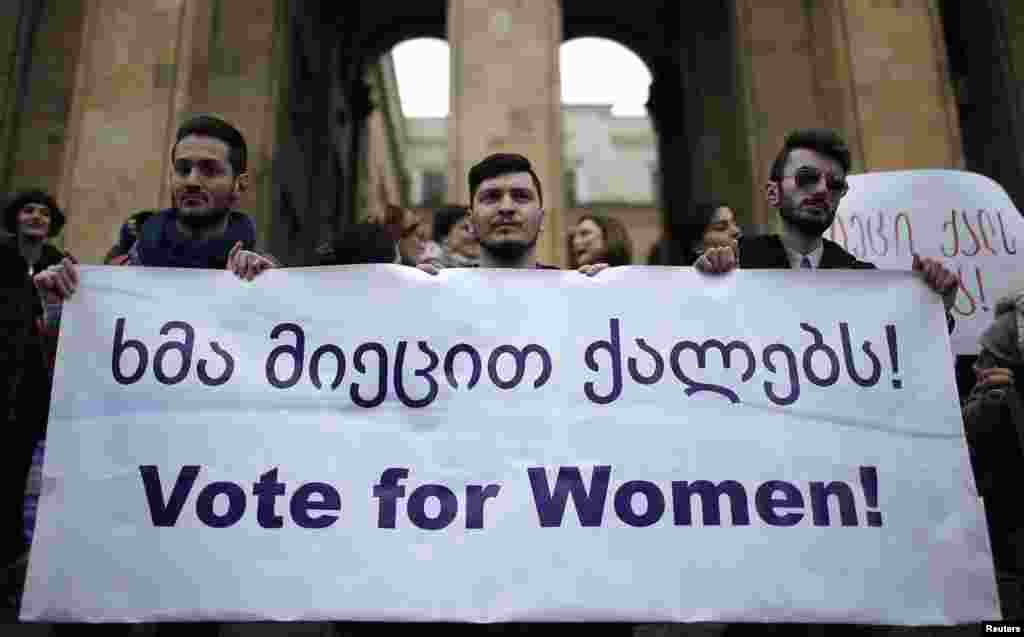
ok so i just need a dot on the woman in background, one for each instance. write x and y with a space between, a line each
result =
712 224
599 239
26 357
994 428
31 217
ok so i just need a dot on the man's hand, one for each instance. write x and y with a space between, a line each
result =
57 282
938 278
717 260
591 269
428 268
247 264
994 377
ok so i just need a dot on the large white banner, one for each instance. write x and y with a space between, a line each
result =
373 443
963 218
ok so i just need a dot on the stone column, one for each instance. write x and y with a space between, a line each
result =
115 154
874 71
142 67
506 97
41 41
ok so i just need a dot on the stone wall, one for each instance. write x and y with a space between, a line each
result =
873 70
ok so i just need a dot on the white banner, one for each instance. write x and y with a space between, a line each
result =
373 443
963 218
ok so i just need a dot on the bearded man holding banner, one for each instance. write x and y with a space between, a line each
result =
806 182
201 229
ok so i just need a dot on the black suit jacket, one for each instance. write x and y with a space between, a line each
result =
767 251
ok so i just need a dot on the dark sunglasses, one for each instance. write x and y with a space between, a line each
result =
807 177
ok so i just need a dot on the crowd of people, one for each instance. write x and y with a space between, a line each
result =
499 228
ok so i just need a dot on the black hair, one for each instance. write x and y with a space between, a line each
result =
821 140
20 199
363 242
618 247
501 164
690 231
445 219
210 126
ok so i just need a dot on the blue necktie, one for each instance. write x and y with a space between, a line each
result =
805 263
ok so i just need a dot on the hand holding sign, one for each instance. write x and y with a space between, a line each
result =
938 278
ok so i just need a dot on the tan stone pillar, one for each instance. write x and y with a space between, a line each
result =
122 107
506 97
875 71
903 104
143 66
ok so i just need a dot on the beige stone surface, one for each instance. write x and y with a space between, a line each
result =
897 64
143 67
32 150
873 70
780 83
506 97
119 120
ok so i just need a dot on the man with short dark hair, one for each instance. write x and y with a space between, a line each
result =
506 213
806 182
201 229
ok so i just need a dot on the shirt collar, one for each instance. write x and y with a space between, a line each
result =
814 256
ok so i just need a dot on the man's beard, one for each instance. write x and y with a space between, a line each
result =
806 224
204 221
508 252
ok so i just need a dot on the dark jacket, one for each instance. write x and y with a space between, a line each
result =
767 251
994 427
49 256
161 245
24 393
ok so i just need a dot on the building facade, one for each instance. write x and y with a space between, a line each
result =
92 90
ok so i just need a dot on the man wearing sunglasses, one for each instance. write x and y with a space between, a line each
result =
806 183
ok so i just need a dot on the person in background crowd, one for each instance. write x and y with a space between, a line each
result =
364 242
26 361
32 217
201 229
25 391
453 236
128 235
406 227
599 239
994 427
712 225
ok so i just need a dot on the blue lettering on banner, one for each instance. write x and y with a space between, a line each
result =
777 502
417 377
776 358
636 503
388 491
167 512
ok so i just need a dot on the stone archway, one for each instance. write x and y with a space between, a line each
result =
729 80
